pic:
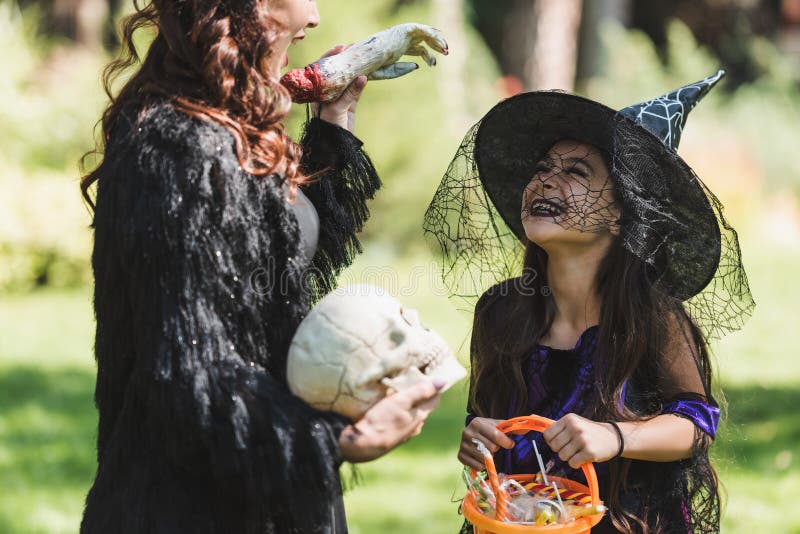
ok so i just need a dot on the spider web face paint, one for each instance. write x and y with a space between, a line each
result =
572 188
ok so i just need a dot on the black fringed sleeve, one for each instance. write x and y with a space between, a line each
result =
344 178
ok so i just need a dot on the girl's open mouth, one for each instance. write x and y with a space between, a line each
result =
545 208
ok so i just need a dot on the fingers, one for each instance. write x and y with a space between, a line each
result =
569 450
419 402
427 406
342 110
580 458
559 441
419 394
468 453
570 437
470 459
495 438
353 93
395 70
436 40
422 52
552 433
486 430
421 399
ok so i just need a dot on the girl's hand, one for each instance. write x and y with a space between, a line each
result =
342 111
485 430
578 440
392 421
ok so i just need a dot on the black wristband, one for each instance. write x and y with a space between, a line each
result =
621 439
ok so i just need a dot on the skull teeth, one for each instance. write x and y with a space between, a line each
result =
433 357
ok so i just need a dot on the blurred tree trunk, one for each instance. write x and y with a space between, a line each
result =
535 41
85 22
553 59
448 16
84 19
596 14
517 38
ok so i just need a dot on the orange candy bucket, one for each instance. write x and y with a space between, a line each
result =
483 524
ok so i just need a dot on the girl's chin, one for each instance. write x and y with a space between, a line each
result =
543 230
285 61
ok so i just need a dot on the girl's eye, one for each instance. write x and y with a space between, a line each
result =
578 171
542 167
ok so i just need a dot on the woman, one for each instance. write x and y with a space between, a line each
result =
214 233
625 257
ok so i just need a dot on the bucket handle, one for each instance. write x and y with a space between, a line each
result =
538 423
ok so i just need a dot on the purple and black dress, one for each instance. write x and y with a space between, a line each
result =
560 381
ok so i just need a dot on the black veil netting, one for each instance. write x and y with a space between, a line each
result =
666 216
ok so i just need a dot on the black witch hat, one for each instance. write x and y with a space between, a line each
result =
670 219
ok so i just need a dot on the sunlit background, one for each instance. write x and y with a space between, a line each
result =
742 140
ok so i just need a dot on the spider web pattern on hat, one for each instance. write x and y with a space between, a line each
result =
665 116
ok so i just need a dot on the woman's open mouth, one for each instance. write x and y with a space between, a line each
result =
545 208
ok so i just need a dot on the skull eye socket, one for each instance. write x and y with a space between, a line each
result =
397 337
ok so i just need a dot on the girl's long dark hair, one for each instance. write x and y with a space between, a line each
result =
637 324
208 57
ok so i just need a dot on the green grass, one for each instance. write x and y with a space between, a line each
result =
47 419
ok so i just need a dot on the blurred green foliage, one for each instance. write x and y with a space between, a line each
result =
48 105
760 118
741 143
51 99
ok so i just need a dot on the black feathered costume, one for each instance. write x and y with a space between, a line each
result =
199 287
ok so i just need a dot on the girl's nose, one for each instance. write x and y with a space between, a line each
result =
546 179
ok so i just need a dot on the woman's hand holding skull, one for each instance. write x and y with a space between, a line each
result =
389 423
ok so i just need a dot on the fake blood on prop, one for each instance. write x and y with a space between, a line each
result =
305 85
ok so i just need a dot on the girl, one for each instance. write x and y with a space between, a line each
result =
626 257
211 243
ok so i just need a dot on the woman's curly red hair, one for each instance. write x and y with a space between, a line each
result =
209 57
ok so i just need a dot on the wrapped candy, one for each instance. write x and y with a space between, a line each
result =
529 504
535 501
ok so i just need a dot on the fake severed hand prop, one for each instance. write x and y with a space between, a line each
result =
376 57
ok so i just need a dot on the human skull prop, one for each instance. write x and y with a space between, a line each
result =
359 344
